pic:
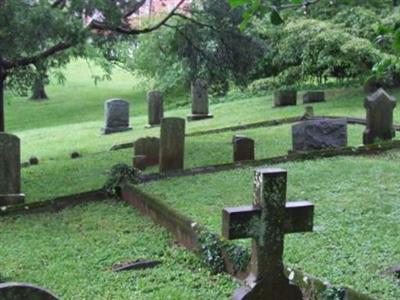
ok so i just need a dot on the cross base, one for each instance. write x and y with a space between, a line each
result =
262 291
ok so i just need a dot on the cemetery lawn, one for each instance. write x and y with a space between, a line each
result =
71 254
357 227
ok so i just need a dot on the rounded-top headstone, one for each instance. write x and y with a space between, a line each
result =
116 115
24 291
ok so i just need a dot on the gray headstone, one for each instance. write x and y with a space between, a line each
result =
199 101
116 114
313 96
155 103
285 98
379 108
319 134
243 149
10 170
172 144
24 291
150 148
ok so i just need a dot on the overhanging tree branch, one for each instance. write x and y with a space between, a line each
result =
132 31
43 55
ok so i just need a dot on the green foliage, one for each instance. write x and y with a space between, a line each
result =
120 173
208 46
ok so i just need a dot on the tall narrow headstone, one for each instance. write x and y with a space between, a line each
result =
379 108
172 144
266 222
199 101
243 148
24 291
116 115
155 103
149 147
10 170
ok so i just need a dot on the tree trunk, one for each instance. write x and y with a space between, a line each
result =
38 92
2 120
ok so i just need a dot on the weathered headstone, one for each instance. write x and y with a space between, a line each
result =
285 98
116 114
24 291
149 147
155 103
379 108
199 101
313 96
308 112
139 162
266 222
172 144
10 170
319 134
243 148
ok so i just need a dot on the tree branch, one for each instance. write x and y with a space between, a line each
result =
33 59
120 29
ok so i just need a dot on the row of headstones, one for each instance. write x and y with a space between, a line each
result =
117 110
289 97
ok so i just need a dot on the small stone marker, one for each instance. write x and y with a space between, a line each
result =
139 162
116 114
199 101
33 161
319 134
155 103
243 148
24 291
150 148
172 144
313 97
308 112
266 222
75 155
379 108
10 170
285 98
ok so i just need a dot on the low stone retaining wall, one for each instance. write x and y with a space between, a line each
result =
187 232
55 204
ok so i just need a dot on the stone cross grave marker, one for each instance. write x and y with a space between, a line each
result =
155 104
379 108
149 149
10 170
266 222
24 291
172 144
199 101
243 148
116 115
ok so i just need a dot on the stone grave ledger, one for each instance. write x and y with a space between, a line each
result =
313 97
200 104
319 134
116 115
24 291
285 98
379 108
266 222
155 108
10 170
172 144
149 149
243 148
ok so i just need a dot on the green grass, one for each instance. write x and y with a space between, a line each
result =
71 253
356 217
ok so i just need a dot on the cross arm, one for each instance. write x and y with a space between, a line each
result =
236 221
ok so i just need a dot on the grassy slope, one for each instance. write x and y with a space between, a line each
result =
357 215
71 253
